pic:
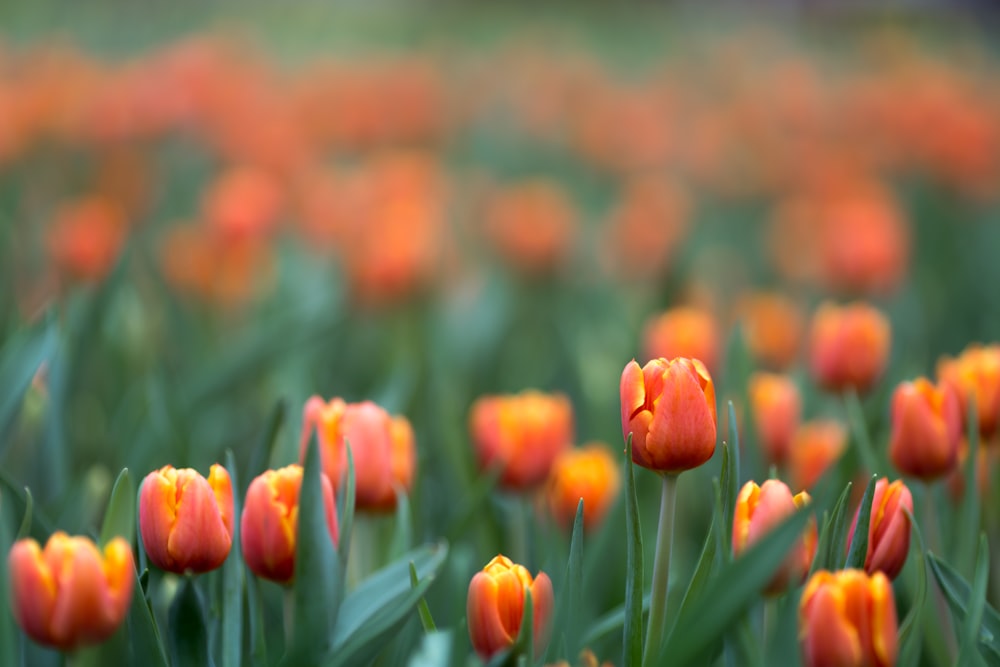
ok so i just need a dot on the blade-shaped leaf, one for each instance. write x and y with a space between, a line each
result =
859 430
119 519
702 571
610 622
18 504
968 514
426 620
261 453
835 533
255 613
8 635
958 593
968 653
29 506
859 543
569 599
909 639
188 630
402 538
632 639
345 504
231 644
731 468
20 359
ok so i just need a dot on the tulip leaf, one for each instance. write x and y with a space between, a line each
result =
261 453
610 622
9 638
20 358
832 538
474 499
731 467
29 505
632 630
958 593
231 642
345 504
909 639
731 593
702 571
723 526
188 628
39 527
119 518
565 618
255 613
319 571
402 537
968 653
859 542
426 620
856 418
968 515
435 649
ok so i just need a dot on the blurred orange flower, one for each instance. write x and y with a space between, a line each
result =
589 473
532 225
682 332
849 346
816 446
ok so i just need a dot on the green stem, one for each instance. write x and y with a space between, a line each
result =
661 571
289 609
933 532
519 533
856 417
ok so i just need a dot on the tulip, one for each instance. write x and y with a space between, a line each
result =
495 606
270 523
926 429
759 509
682 332
522 433
589 473
975 374
532 225
888 528
815 447
849 346
772 326
848 619
777 409
186 520
382 447
669 408
70 594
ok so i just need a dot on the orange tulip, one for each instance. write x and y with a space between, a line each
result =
495 606
758 510
976 373
849 346
382 446
777 409
682 332
270 523
589 473
523 433
669 408
815 447
86 237
848 619
926 429
186 521
888 529
71 593
772 325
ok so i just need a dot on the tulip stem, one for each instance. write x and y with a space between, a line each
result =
856 418
661 571
289 609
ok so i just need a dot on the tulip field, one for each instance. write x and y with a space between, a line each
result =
348 337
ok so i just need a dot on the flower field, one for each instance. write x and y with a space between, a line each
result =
370 339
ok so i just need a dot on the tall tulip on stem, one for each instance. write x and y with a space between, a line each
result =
668 407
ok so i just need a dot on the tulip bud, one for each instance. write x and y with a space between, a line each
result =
682 332
816 446
759 509
589 473
772 326
186 521
523 433
495 606
976 374
888 529
777 409
269 526
669 408
70 594
848 618
849 346
926 429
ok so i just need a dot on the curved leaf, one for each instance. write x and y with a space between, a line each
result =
188 629
119 518
632 627
859 543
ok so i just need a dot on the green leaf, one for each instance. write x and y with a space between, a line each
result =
255 612
610 622
525 644
231 641
837 532
119 518
188 629
859 429
20 359
426 620
568 603
16 496
731 593
261 453
859 543
345 504
702 571
9 637
968 514
968 653
958 594
909 638
29 504
731 468
402 538
632 630
472 506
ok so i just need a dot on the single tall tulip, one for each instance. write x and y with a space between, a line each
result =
495 606
777 410
589 473
849 346
70 594
848 619
926 429
186 521
888 528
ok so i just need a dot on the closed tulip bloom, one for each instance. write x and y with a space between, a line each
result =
669 408
70 594
777 409
759 509
926 429
848 619
976 374
816 446
849 346
682 332
589 473
186 520
522 433
773 326
270 523
888 529
495 606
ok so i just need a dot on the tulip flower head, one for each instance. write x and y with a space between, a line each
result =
772 325
495 606
926 429
669 408
777 409
589 473
848 618
70 594
849 346
976 374
186 521
816 446
682 332
270 523
888 529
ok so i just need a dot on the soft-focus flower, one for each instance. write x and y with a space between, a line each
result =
71 593
888 529
849 346
495 606
669 408
532 225
589 473
773 326
186 520
848 619
523 433
777 409
85 238
926 429
382 446
976 373
816 446
985 462
243 202
682 332
760 509
270 522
